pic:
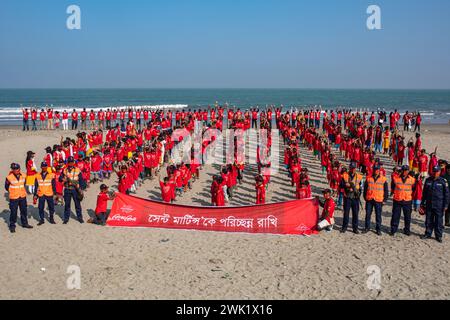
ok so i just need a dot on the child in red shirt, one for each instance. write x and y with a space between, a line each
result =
327 219
167 192
260 190
102 205
417 192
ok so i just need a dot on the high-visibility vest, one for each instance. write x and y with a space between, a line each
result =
73 175
17 186
403 190
357 178
45 185
375 189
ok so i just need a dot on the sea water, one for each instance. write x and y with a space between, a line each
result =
434 105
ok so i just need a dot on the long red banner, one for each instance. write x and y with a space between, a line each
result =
294 217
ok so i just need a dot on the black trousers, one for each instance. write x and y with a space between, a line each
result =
397 208
434 221
70 195
51 207
74 124
14 205
370 206
353 205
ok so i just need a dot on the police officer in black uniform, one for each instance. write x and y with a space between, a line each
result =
435 200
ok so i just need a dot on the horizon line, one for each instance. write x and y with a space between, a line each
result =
219 88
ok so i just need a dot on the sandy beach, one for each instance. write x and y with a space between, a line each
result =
120 263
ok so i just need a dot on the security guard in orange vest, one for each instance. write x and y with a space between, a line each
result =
15 186
73 184
376 191
402 188
352 184
44 190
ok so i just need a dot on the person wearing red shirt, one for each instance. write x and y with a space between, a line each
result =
92 119
417 192
108 161
65 120
423 163
167 191
102 205
25 120
326 221
114 117
418 122
138 119
122 119
260 190
100 118
74 119
42 118
50 119
57 120
130 115
83 115
123 186
34 115
108 118
59 200
96 167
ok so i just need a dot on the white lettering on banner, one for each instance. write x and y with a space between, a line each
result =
127 209
229 222
302 228
186 220
268 222
234 222
209 221
119 217
154 218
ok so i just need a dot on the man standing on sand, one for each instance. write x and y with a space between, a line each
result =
15 186
44 191
434 202
26 116
402 188
351 184
376 191
72 178
74 119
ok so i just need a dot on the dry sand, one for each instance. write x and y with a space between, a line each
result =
165 264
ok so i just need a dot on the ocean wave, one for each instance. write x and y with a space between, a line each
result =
70 108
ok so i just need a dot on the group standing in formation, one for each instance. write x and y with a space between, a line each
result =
136 144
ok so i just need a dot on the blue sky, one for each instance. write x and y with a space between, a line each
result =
225 44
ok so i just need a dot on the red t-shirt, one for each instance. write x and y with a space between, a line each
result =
166 191
329 207
102 203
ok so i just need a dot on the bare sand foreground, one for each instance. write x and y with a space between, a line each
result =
165 264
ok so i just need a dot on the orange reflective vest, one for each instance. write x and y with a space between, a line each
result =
403 190
73 175
357 178
375 189
17 186
45 185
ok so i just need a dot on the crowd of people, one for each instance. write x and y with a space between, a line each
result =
136 144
